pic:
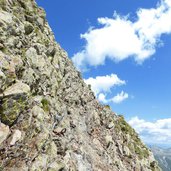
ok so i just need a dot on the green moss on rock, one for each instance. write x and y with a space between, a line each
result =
11 107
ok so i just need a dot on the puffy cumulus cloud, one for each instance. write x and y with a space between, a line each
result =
120 97
158 132
102 85
120 38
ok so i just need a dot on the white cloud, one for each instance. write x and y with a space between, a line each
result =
120 97
102 98
104 83
158 132
120 38
101 85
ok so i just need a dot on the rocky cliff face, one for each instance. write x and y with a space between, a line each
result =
50 119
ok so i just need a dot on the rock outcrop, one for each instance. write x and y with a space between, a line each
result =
50 119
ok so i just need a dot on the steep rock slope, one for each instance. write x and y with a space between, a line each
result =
50 119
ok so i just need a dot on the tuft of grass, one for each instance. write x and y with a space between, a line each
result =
45 104
135 145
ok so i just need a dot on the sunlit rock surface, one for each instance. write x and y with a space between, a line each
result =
50 119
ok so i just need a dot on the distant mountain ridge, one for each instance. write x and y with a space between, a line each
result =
163 156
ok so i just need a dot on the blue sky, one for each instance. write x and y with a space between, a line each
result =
135 66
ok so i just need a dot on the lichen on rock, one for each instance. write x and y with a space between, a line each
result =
13 102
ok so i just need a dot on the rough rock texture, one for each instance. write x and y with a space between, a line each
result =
50 117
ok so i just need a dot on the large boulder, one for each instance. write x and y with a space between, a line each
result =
13 102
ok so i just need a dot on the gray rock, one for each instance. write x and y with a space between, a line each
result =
5 17
28 28
16 137
4 132
17 89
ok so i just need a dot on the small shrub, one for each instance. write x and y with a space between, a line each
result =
107 107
